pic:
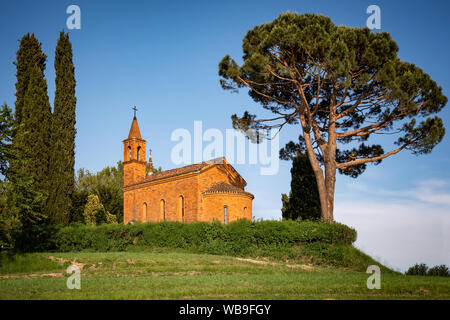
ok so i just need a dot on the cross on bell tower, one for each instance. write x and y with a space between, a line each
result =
134 109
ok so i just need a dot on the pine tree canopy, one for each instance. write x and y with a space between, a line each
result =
343 86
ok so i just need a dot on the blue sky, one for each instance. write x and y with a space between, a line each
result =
162 56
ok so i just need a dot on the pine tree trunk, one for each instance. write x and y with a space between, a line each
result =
330 165
326 182
318 173
330 182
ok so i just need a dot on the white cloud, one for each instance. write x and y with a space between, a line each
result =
431 191
403 227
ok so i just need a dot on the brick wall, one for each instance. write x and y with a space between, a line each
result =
143 201
239 206
133 171
170 191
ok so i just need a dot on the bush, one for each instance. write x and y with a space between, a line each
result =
239 237
303 200
95 213
418 270
422 270
439 271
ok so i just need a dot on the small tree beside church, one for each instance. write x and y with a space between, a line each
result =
91 210
95 213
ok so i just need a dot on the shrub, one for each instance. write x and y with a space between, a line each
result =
418 270
439 271
95 213
239 237
92 209
422 270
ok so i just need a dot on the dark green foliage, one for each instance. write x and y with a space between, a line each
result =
292 149
79 199
28 172
303 201
20 201
29 54
32 116
107 184
9 220
240 237
32 140
21 218
62 156
6 136
37 181
439 271
10 225
418 270
423 270
112 199
335 63
342 86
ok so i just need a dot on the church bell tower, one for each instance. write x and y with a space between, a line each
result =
133 155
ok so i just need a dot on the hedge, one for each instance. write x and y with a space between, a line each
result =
238 237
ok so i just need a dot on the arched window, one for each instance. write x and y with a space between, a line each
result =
245 212
139 153
129 153
225 214
181 208
163 209
144 212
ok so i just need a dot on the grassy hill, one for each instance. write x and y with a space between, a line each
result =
240 260
175 274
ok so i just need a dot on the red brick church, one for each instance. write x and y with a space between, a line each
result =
206 191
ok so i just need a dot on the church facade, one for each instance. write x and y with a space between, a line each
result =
206 191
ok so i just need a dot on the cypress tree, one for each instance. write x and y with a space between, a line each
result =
28 171
33 132
29 54
62 158
20 201
6 134
303 201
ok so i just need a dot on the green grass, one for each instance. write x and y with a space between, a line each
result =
176 274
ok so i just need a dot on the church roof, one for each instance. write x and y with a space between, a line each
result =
177 171
182 170
223 187
134 130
